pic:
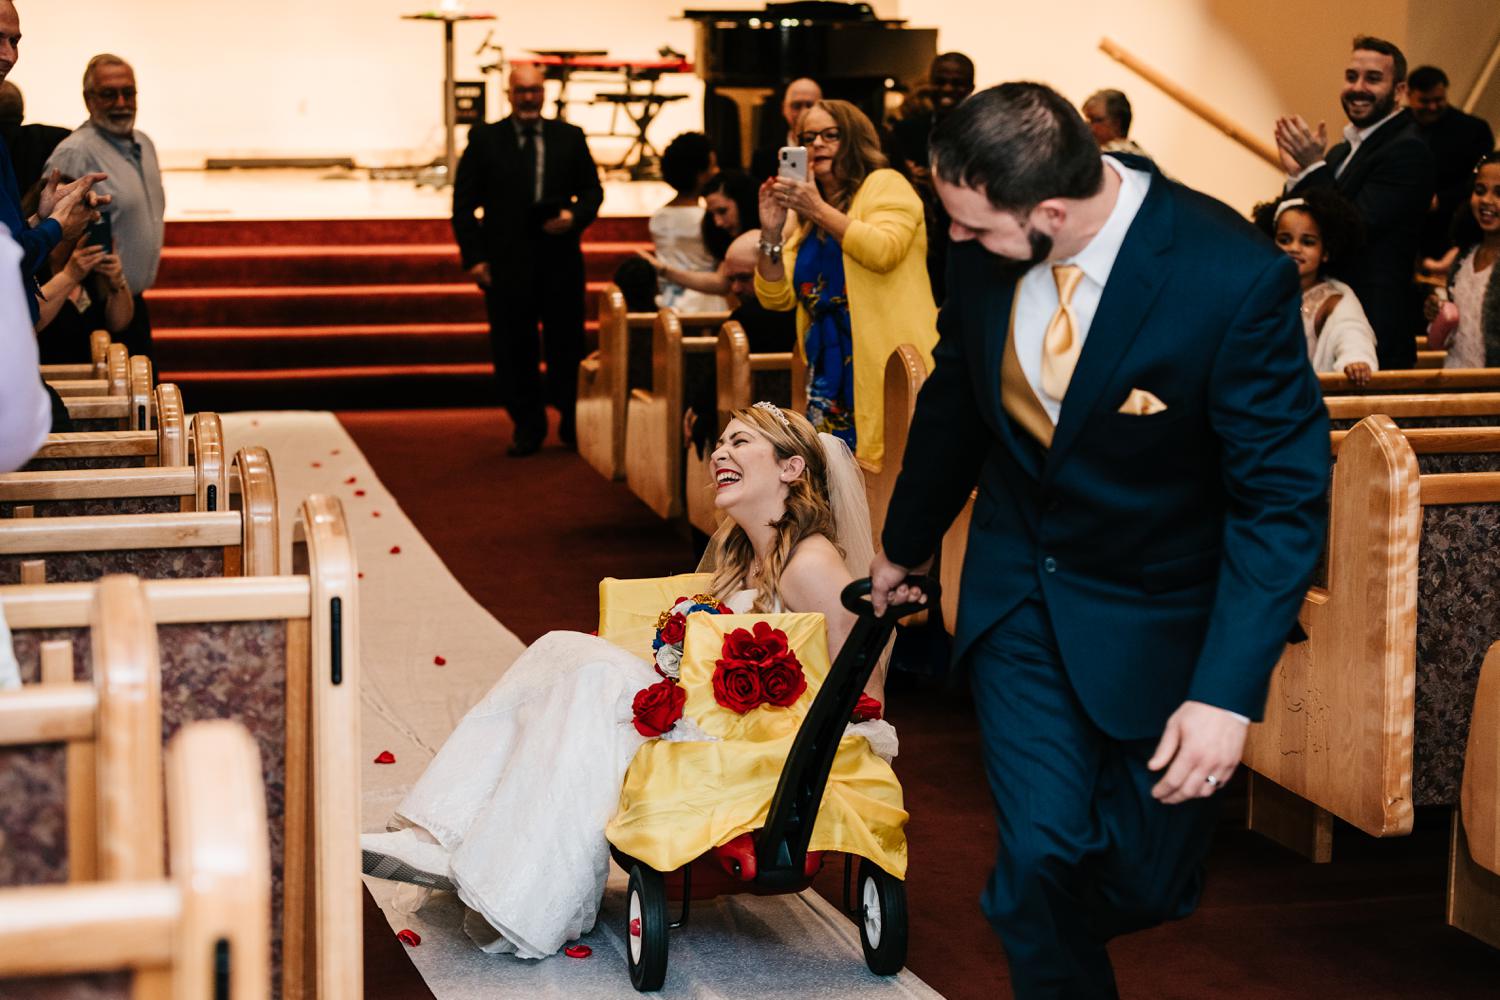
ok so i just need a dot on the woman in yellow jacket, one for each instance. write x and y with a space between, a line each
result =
853 265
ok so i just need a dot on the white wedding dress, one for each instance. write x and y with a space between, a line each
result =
520 794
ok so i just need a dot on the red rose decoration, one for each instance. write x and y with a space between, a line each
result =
658 707
758 646
866 709
674 629
737 684
782 680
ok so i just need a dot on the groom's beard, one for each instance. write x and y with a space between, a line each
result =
1041 247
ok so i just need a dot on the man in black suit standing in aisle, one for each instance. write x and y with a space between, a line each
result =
1385 168
539 190
1457 140
1122 372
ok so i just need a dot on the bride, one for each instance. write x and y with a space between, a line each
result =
511 812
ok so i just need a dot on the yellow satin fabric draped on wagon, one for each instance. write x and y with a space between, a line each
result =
680 800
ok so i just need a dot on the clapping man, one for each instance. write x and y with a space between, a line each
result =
1385 168
537 186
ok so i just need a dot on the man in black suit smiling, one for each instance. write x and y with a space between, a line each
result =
1122 372
538 188
1386 169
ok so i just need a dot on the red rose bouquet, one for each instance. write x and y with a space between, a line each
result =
671 626
757 667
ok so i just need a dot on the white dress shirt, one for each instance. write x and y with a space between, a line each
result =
1355 137
25 410
1036 297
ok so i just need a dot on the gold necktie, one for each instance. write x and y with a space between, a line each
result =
1060 345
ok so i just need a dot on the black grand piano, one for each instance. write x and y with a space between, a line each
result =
746 57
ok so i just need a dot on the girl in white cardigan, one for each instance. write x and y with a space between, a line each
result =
1312 231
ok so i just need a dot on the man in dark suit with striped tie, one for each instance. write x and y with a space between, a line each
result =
1122 372
539 190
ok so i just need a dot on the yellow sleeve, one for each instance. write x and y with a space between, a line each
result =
890 215
779 296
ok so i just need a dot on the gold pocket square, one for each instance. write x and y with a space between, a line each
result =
1141 403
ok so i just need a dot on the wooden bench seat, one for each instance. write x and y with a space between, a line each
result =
128 402
203 933
280 655
237 538
169 443
96 368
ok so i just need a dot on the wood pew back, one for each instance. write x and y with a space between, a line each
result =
905 371
240 540
1435 380
166 445
95 368
279 654
204 933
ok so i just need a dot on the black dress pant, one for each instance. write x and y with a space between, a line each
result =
536 310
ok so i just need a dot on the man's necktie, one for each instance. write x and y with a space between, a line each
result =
1060 344
528 160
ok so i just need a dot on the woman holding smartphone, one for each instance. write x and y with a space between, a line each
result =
844 243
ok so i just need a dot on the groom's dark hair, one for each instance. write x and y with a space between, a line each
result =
1019 143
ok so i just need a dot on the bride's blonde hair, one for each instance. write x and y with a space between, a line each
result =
808 511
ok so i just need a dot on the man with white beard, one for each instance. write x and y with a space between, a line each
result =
110 143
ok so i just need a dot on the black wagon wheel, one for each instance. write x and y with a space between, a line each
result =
646 928
882 919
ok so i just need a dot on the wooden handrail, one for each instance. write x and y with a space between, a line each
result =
1192 103
1482 81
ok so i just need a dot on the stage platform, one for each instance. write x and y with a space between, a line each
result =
327 288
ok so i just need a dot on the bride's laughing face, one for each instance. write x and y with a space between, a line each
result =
749 479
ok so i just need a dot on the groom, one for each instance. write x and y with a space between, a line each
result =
1123 373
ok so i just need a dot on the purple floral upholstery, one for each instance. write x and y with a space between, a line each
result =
74 464
149 564
98 508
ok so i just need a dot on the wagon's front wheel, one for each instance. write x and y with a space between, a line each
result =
882 919
646 929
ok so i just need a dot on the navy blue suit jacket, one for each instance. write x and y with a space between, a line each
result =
1172 550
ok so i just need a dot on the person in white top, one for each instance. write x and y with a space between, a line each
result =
1313 231
1475 341
688 164
25 410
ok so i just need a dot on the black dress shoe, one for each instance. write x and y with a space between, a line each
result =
520 449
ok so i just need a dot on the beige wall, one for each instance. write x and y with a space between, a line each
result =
348 77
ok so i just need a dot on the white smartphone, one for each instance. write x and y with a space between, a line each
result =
792 163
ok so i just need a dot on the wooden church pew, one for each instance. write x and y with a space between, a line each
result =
99 343
653 417
905 371
1433 380
236 538
201 933
604 386
280 654
94 491
740 379
1417 409
167 444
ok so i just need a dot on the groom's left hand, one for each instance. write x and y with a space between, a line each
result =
1200 742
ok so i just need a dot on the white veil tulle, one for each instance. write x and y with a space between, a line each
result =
851 510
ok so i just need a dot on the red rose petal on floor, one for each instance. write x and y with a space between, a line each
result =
386 757
578 951
317 465
359 493
374 513
439 661
350 481
361 576
409 938
334 452
395 550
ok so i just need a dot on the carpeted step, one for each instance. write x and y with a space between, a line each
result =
378 264
280 347
358 232
324 305
373 386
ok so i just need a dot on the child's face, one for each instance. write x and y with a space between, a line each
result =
1485 201
1300 239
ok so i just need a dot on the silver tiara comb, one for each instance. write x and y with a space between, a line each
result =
775 411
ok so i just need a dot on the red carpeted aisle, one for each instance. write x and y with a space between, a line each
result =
531 538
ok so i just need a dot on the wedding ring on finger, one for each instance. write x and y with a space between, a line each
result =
1212 780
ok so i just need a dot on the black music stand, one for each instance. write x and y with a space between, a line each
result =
448 19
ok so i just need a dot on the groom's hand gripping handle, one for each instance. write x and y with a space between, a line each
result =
887 586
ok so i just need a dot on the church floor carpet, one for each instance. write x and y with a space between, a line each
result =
1368 925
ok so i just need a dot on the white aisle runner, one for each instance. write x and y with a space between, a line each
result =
428 652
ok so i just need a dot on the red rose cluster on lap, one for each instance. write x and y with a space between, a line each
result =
658 707
757 667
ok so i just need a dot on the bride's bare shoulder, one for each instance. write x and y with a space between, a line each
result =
815 574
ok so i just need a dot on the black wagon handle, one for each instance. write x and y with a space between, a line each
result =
855 597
